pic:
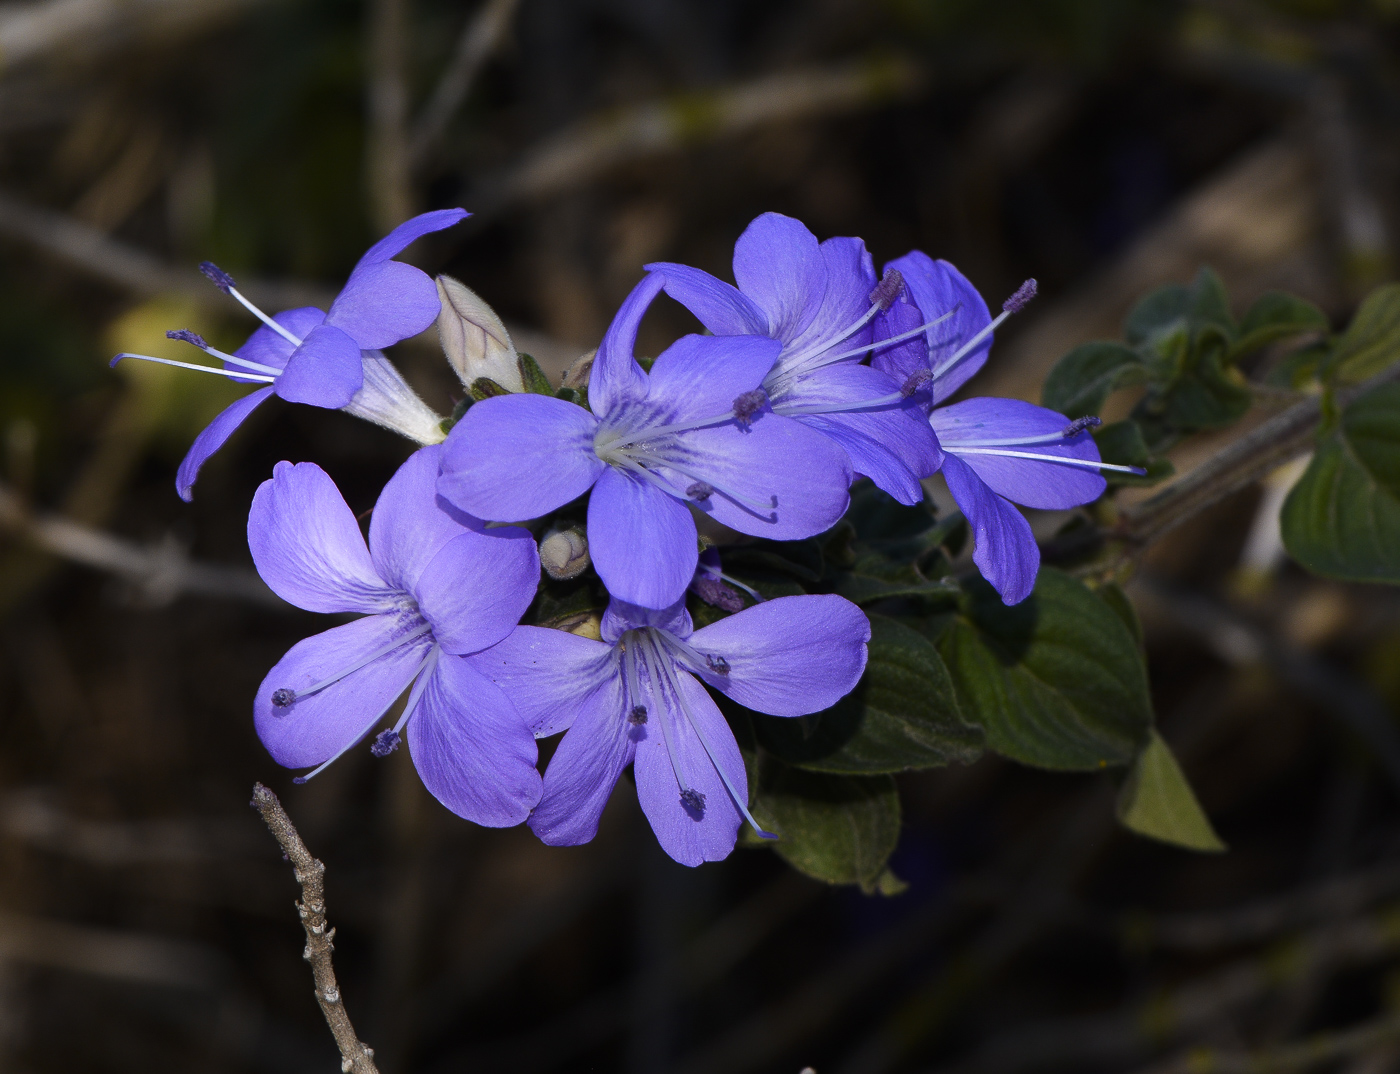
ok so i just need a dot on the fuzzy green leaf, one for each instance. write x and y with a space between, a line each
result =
1371 342
1085 377
1157 801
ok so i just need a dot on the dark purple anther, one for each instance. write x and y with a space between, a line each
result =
385 743
718 594
217 276
693 800
637 716
1017 302
914 382
184 335
283 697
718 664
1078 425
700 491
749 404
888 289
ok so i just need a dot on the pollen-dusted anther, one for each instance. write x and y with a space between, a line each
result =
719 595
638 715
1078 425
385 743
283 697
915 381
890 287
747 406
718 664
217 276
1017 302
700 491
693 799
184 335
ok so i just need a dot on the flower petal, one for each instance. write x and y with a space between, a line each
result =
845 300
616 378
471 747
643 542
939 288
699 377
319 726
478 586
690 835
778 264
720 307
410 524
546 673
1045 485
411 229
384 303
585 768
901 360
789 656
516 457
324 371
213 438
620 617
1005 550
307 545
271 348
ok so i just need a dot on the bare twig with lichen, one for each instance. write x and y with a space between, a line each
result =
356 1056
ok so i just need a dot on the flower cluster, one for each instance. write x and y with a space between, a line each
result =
816 372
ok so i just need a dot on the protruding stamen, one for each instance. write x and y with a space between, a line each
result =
693 800
385 743
718 594
747 406
283 698
637 716
718 664
1087 464
888 289
1078 425
234 374
915 381
184 335
1018 301
217 276
701 490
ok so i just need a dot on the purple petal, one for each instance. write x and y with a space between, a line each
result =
779 266
384 303
791 655
938 288
546 673
690 835
585 768
405 233
849 279
410 524
213 437
720 307
794 480
616 377
307 545
270 348
318 726
516 457
1045 485
324 371
901 360
643 542
1004 547
471 747
699 377
620 617
478 586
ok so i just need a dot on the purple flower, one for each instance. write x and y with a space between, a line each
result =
636 697
716 588
310 356
818 300
694 433
432 586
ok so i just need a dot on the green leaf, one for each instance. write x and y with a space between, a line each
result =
875 577
1155 312
1371 342
1112 594
1276 315
876 515
1085 377
1198 392
1156 801
1056 681
903 715
532 376
840 829
1203 308
1342 519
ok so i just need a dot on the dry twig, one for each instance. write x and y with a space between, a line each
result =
356 1056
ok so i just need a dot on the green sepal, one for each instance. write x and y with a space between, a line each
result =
458 411
486 388
532 376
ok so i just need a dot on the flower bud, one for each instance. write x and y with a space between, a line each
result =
475 341
564 553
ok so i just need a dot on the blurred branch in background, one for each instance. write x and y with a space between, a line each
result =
387 161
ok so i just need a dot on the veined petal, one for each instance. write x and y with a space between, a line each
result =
789 656
413 228
270 348
900 361
643 541
778 264
719 306
620 617
1004 547
324 371
1033 482
938 288
477 587
690 835
850 277
472 748
213 438
317 727
516 457
384 303
616 378
410 524
699 377
307 545
547 673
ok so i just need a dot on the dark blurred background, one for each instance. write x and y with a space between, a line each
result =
1103 146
